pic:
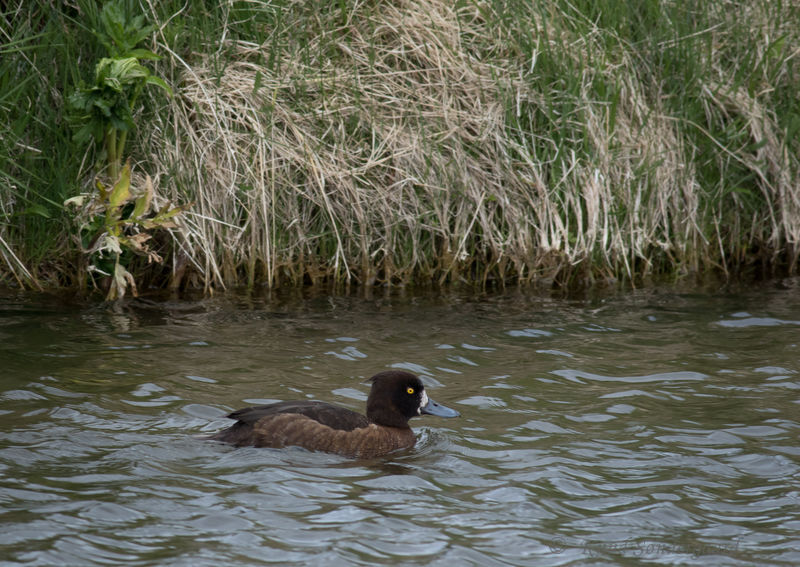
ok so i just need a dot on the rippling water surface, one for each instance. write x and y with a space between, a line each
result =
645 428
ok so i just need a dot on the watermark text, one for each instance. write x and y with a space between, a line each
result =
643 548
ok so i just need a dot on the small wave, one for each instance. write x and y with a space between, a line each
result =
746 322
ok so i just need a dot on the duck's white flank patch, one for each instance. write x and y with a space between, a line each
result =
423 402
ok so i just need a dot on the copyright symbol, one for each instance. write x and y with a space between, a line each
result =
557 545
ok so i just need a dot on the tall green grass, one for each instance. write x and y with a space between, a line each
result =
406 142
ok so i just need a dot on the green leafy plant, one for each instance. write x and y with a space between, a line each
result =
104 109
114 219
120 32
115 223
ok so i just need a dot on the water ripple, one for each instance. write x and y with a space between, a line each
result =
659 430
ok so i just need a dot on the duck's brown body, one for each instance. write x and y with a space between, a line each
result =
317 426
395 397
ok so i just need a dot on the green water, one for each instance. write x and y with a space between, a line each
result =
651 427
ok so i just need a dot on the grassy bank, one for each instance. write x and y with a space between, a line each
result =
402 142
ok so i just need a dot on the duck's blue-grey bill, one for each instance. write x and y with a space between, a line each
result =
432 408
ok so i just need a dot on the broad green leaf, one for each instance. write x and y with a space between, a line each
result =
101 190
84 134
122 189
39 210
153 80
144 54
166 213
143 201
127 70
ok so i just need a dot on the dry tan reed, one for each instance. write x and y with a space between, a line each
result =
393 158
13 264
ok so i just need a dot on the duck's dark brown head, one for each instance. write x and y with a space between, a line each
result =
397 396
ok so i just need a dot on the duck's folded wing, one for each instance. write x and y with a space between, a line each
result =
327 414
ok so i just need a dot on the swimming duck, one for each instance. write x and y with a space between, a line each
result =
395 397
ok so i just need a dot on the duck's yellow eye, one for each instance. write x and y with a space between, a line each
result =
410 390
